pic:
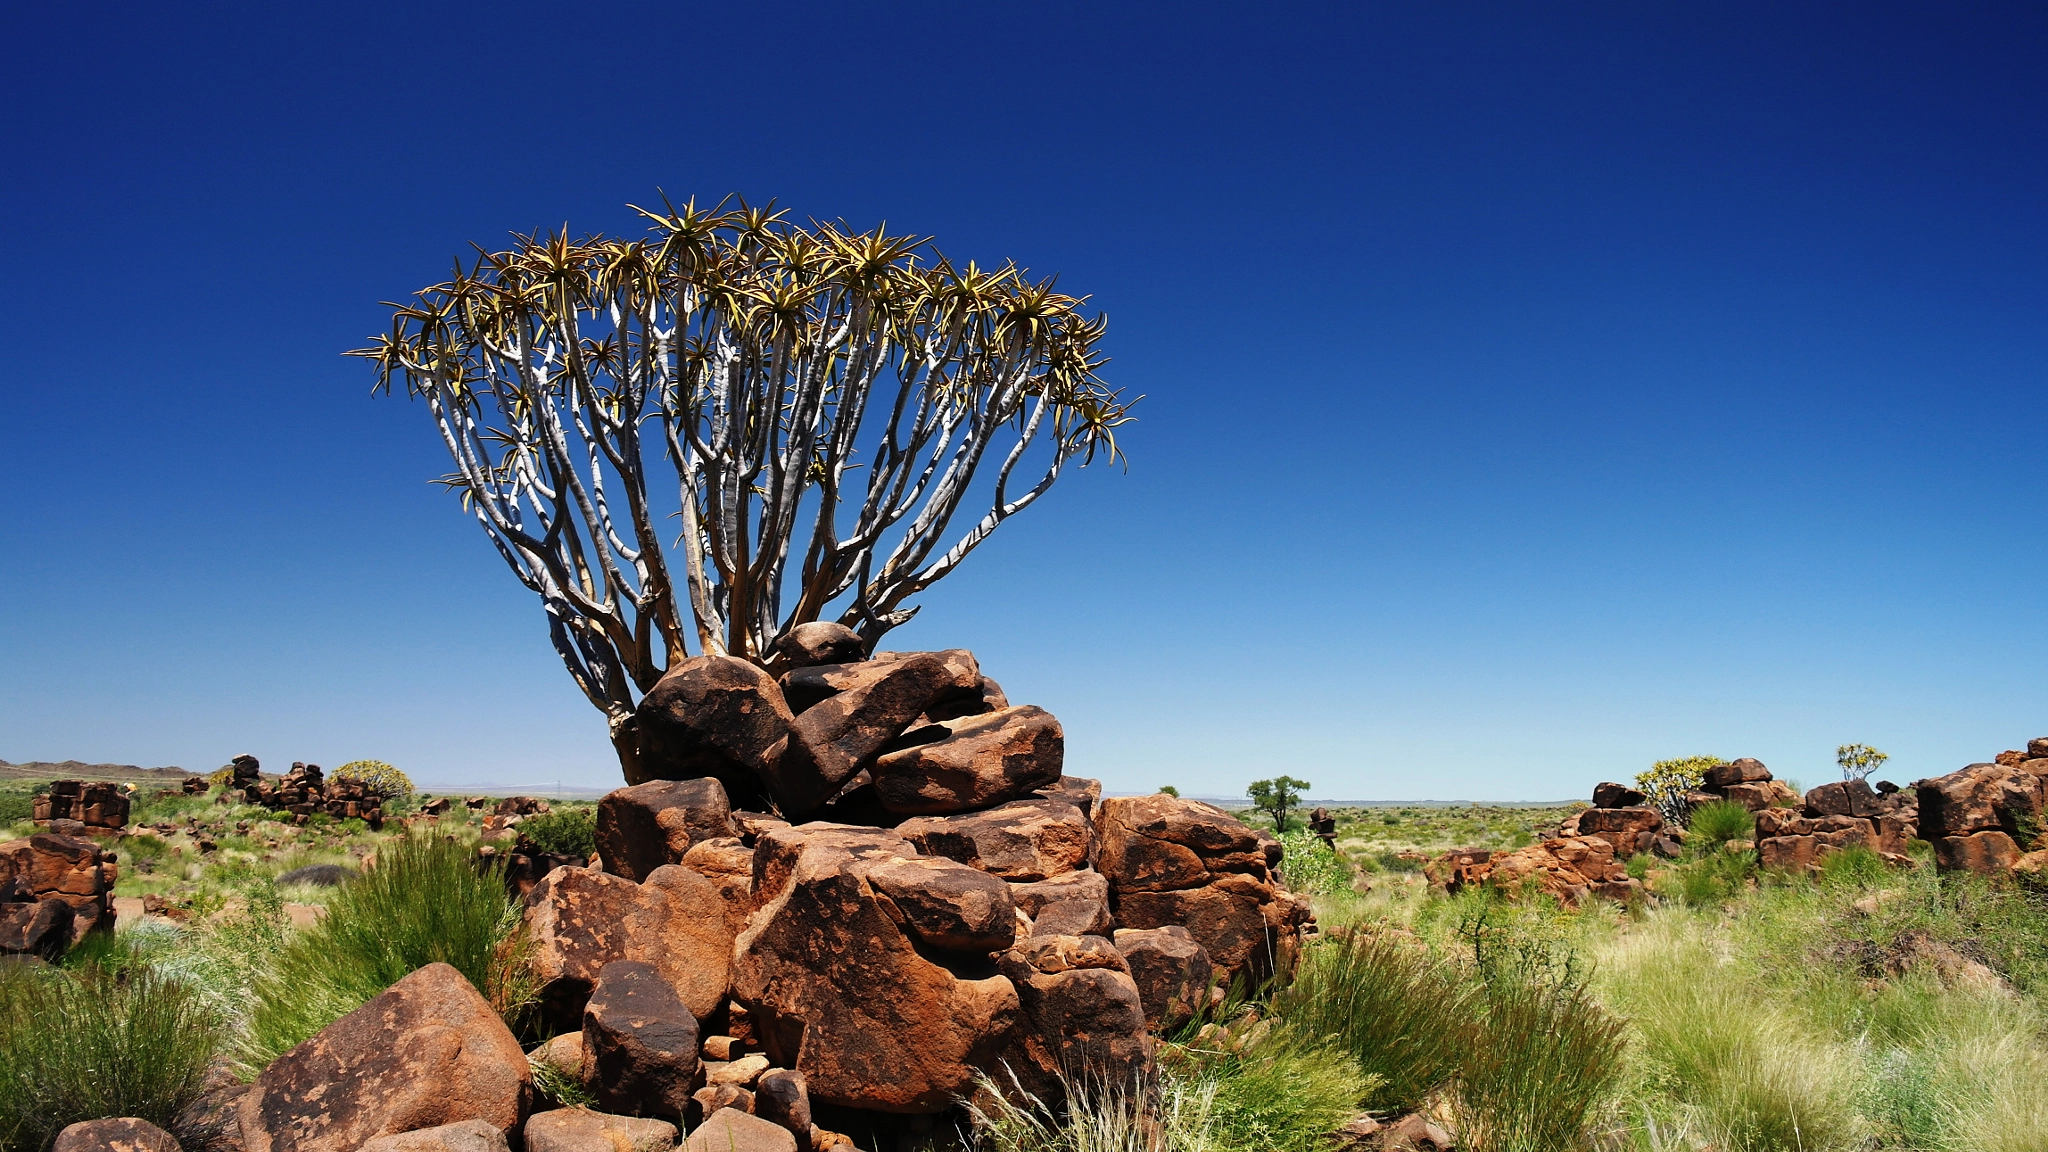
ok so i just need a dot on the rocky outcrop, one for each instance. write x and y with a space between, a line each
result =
91 803
72 870
869 705
1171 971
1985 817
427 1051
1080 1009
306 791
579 921
643 827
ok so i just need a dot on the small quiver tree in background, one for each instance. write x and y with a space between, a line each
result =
377 778
1667 782
798 412
1278 797
1859 760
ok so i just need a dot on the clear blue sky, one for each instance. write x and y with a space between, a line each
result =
1534 391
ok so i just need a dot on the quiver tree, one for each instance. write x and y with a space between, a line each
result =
735 425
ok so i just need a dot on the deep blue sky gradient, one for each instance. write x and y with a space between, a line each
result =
1533 391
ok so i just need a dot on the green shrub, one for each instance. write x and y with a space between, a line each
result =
377 778
1853 867
1666 783
1286 1095
81 1045
427 900
1307 865
567 831
1546 1063
1404 1016
1713 825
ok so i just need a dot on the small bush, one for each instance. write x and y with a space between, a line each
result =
89 1044
1546 1064
1667 782
427 900
377 778
1713 825
1307 865
1405 1017
567 831
1287 1095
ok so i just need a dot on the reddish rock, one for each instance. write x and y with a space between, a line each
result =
971 763
1976 799
1171 971
1084 885
731 1130
1794 853
1895 833
1160 842
820 642
1073 918
987 696
840 735
1022 841
710 1099
39 928
1087 1022
836 988
729 865
1990 853
1611 795
1249 928
947 905
582 1130
427 1051
1761 794
639 1042
1742 771
648 825
711 716
580 921
127 1134
1079 791
68 868
1626 830
1843 798
461 1136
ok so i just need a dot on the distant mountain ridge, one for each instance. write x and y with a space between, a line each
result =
80 770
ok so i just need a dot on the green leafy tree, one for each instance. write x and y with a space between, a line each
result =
1170 790
1859 760
694 441
1277 796
1667 782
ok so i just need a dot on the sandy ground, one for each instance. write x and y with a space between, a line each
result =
128 909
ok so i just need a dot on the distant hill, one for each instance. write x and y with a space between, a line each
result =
80 770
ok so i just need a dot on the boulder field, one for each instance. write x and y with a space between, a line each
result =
844 898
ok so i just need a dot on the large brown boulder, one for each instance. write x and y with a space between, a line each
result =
582 1130
125 1134
840 735
947 905
648 825
36 928
1022 841
1757 795
1079 791
1990 852
1250 929
711 716
835 985
68 868
1070 904
639 1043
1980 798
1628 830
1743 771
1611 795
731 1130
1161 842
973 762
461 1136
579 921
1171 970
1082 1015
820 642
427 1051
1843 798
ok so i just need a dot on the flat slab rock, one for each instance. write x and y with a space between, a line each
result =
582 1130
731 1130
1022 841
427 1051
461 1136
972 762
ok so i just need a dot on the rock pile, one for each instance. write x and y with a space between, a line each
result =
1835 816
1987 818
305 790
1746 782
71 806
53 890
1588 856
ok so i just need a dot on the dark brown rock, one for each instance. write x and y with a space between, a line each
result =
712 716
1637 819
1842 798
127 1134
781 1097
1034 897
973 762
69 868
582 1130
1980 798
841 735
731 1130
461 1136
427 1051
1246 926
1171 970
40 928
648 825
579 921
1160 842
1087 1022
1741 771
948 905
987 696
1796 853
639 1043
1611 795
1758 795
1079 791
835 987
1022 841
1073 918
820 642
1990 853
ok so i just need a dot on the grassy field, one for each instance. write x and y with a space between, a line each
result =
1865 1007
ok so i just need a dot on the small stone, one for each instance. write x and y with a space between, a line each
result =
461 1136
742 1072
127 1134
582 1130
721 1047
781 1097
730 1130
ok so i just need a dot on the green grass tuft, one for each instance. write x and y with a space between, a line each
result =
1404 1016
1713 825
